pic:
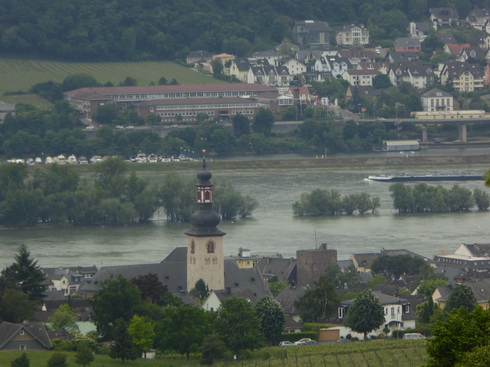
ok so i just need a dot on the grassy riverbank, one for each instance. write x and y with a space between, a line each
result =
375 163
400 353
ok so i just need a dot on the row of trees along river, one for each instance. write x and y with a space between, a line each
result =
116 196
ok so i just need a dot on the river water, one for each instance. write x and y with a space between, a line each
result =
272 229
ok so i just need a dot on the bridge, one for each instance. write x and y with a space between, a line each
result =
461 124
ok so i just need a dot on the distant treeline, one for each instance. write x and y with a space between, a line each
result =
330 202
422 198
115 196
98 30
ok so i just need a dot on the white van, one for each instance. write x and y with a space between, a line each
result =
411 336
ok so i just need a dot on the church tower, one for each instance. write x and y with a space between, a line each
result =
205 259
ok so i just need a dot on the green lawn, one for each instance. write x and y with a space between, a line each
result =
400 353
21 74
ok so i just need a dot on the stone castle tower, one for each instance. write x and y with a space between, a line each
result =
205 259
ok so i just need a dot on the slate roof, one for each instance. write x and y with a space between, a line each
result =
407 42
455 69
284 269
446 38
436 93
456 48
480 288
399 57
288 296
245 283
444 14
314 26
384 299
479 250
35 329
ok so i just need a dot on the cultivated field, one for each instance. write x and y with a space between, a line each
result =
383 353
20 75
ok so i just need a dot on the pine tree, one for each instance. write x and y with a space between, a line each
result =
24 275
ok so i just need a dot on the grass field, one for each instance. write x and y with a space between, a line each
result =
21 74
383 353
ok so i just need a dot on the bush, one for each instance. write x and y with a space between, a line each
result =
397 334
58 360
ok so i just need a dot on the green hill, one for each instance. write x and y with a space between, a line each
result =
19 75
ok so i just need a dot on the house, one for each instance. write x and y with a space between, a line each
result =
479 287
399 57
294 66
68 279
411 72
382 67
283 269
454 49
472 54
198 57
437 100
24 336
397 311
272 56
312 33
471 256
357 56
464 76
478 17
334 64
420 30
352 35
443 17
360 77
6 108
272 76
364 262
407 44
484 42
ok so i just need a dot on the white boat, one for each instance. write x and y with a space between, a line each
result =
38 160
141 158
96 159
152 158
61 159
72 159
49 160
83 160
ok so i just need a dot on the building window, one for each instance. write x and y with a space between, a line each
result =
341 312
22 347
21 332
193 247
210 247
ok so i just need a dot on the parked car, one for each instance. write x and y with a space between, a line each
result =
306 341
287 344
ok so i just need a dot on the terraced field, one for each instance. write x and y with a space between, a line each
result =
19 74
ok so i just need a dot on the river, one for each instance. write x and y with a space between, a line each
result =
272 229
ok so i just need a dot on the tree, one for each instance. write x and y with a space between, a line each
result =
110 177
58 360
200 291
427 287
116 299
64 318
478 357
271 317
395 266
458 336
25 275
123 347
482 199
76 81
142 333
460 296
239 326
106 114
15 306
22 361
212 347
319 302
241 125
381 81
150 287
263 121
84 355
183 329
366 313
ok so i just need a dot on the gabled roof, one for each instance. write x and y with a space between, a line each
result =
384 299
436 93
407 42
398 57
314 25
480 288
446 38
455 69
444 14
288 296
35 329
455 48
284 269
478 250
474 53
